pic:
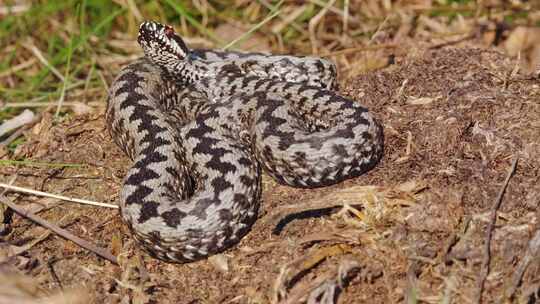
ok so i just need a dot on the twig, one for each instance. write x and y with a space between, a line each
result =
60 197
256 27
532 252
134 10
345 22
326 288
487 246
31 104
331 8
61 232
39 55
312 25
288 19
18 67
445 254
361 49
299 267
449 43
379 28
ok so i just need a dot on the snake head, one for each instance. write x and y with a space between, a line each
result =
161 44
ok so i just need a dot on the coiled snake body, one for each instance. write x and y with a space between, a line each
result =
201 125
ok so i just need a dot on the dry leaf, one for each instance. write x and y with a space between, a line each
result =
220 262
80 108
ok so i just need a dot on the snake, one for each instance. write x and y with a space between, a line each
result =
201 126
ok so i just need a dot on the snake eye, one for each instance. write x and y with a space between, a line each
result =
169 31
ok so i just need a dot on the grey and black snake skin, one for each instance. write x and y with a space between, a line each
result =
201 125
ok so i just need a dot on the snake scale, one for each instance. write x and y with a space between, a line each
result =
202 125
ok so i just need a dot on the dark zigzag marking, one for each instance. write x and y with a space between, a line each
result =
148 210
248 80
319 65
199 210
132 80
220 184
247 180
244 161
144 174
285 138
302 89
225 215
216 163
151 156
260 83
242 199
151 136
140 112
173 217
286 87
322 93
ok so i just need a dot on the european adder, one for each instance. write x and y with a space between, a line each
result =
201 126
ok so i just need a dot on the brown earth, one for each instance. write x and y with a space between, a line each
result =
454 119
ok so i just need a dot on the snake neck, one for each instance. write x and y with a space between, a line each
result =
196 72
